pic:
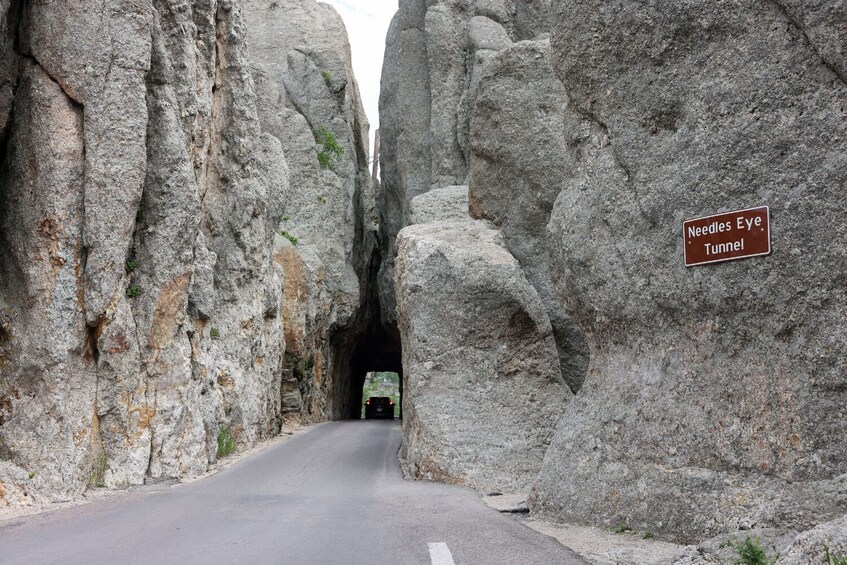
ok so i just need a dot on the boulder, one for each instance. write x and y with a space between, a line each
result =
449 203
520 160
481 381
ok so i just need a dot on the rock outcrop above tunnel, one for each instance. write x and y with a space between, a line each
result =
482 387
448 203
157 176
434 56
715 396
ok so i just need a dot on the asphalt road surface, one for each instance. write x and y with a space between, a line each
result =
332 495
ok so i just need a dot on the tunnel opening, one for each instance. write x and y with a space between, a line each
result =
381 395
369 345
377 352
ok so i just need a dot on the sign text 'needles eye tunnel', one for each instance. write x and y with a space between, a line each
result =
728 236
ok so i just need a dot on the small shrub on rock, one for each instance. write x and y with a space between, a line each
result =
226 444
329 150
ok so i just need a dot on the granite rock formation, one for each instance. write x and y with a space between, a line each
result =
715 395
153 166
434 56
713 398
304 79
520 158
448 203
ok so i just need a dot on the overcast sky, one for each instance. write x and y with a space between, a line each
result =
367 23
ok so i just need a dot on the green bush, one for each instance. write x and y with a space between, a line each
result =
226 444
327 77
288 236
131 265
133 291
751 552
329 150
214 333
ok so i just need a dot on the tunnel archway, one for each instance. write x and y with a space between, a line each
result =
376 351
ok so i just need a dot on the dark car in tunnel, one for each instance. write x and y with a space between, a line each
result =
379 407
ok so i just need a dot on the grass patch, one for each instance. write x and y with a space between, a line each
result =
288 236
751 552
214 333
647 535
133 291
131 265
832 559
622 529
327 77
329 150
97 477
226 444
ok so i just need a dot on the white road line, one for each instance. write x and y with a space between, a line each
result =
440 554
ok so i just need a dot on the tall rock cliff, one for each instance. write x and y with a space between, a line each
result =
714 397
306 91
154 171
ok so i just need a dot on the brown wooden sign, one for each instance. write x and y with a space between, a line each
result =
728 236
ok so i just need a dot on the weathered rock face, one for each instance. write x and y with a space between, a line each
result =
448 203
482 387
304 77
434 54
715 395
822 544
520 159
143 314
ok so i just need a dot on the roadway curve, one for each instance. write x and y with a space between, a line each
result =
332 495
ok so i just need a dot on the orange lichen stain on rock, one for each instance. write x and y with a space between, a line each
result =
145 416
79 436
295 294
119 345
49 228
2 490
169 308
318 367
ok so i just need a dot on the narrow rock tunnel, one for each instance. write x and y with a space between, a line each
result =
371 344
375 351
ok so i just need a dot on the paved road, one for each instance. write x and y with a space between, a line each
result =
332 495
